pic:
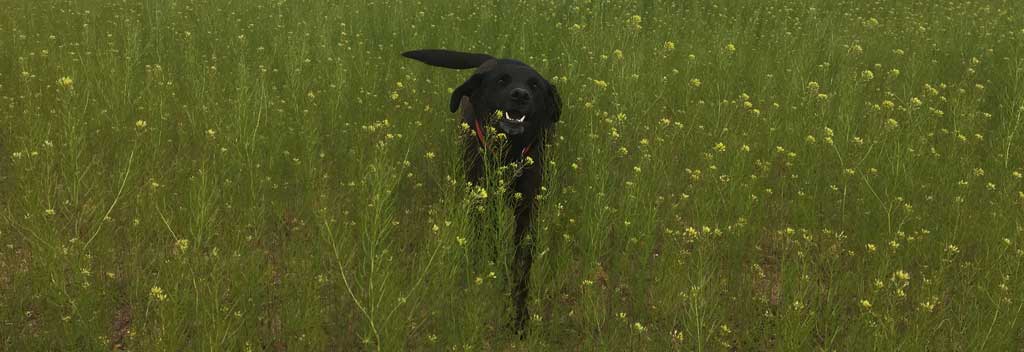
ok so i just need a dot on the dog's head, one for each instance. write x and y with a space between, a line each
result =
527 102
523 97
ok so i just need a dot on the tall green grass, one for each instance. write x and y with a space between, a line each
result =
727 175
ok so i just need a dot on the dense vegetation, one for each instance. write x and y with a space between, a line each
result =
727 175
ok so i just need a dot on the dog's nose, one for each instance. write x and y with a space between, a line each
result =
520 94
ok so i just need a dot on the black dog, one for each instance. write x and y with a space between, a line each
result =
529 106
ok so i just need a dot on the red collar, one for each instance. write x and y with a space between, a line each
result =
480 136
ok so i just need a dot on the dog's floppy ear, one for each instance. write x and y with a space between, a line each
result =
465 90
554 103
471 85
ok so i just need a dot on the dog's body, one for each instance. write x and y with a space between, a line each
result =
530 105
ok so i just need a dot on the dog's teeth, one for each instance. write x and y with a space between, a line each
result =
522 118
506 116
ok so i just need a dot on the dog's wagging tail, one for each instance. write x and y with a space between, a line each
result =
512 97
448 58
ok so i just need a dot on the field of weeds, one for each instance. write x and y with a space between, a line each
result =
731 175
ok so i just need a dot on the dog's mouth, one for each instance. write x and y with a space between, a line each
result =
512 116
511 121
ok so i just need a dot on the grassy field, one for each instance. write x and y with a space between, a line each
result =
733 175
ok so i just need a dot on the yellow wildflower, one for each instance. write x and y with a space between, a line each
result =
867 75
157 293
182 244
479 193
65 82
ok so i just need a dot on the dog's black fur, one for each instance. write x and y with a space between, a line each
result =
514 87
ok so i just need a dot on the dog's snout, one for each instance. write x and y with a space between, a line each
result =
520 94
